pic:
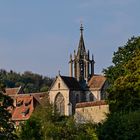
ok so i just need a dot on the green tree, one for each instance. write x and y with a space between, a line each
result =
54 126
124 77
30 81
120 126
124 94
122 56
6 125
30 130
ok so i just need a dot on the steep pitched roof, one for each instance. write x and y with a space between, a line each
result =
12 91
96 82
71 83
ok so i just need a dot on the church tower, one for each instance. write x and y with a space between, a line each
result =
80 65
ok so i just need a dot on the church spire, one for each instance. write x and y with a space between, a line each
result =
81 66
81 47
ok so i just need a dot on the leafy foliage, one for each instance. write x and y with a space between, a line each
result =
125 92
6 125
31 130
54 126
124 77
121 126
30 81
124 95
121 57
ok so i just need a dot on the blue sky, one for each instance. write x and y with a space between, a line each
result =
39 35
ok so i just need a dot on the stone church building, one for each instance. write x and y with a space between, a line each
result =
82 86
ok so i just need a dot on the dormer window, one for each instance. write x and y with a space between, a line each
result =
19 103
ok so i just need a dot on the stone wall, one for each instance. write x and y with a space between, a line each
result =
91 112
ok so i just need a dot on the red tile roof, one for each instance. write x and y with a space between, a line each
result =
89 104
12 91
24 108
25 104
96 82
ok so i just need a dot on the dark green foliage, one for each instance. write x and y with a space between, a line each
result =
31 130
124 95
124 78
121 126
6 125
67 129
30 81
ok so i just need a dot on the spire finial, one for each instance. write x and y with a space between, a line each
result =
81 28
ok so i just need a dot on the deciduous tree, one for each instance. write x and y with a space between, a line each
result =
124 78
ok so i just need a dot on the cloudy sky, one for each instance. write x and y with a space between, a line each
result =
39 35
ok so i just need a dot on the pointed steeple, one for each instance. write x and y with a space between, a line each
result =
81 66
81 47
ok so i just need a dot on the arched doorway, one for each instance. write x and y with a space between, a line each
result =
60 103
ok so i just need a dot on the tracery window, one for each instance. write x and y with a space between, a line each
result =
60 103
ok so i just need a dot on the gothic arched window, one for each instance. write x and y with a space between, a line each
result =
60 103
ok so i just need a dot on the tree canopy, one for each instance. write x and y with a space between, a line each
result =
124 78
124 94
30 81
120 126
120 58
